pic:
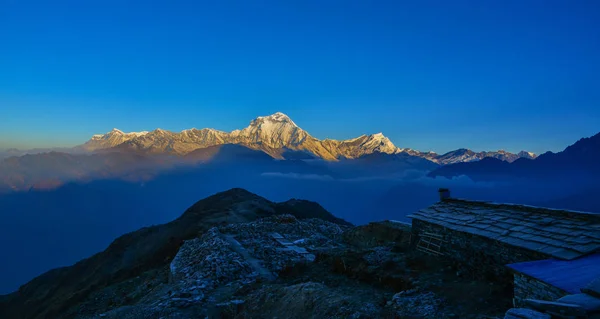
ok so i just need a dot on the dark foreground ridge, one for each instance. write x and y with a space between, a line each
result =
148 249
238 255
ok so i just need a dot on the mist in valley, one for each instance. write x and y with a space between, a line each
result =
45 229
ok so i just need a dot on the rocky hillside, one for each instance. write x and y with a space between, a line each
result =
237 255
149 248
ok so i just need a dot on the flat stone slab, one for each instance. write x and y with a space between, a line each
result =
253 262
587 302
560 308
593 288
297 249
524 313
284 241
276 235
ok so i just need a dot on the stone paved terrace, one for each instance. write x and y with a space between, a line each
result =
558 233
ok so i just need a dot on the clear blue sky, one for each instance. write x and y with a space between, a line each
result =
431 75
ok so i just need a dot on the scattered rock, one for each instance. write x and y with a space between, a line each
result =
588 302
593 288
281 266
411 303
524 313
564 309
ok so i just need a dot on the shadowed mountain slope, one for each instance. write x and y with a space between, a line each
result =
226 153
50 294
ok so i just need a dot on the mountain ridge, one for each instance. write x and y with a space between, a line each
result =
578 158
128 256
271 134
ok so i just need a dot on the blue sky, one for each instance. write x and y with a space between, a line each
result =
430 75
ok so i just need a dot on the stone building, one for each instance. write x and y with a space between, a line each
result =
486 237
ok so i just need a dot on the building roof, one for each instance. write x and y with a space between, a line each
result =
568 275
557 233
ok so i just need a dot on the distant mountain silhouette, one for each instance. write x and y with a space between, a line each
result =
49 170
585 200
464 155
53 169
227 153
381 165
577 160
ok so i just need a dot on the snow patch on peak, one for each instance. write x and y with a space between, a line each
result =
137 134
527 154
275 117
351 140
119 132
279 116
379 143
379 135
98 136
118 135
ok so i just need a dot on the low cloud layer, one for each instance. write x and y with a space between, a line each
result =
299 176
407 176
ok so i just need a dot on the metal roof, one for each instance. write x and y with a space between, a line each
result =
557 233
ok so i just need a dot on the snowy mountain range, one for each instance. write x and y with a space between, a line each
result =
275 135
577 160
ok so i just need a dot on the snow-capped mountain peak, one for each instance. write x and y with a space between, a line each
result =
118 133
273 134
378 142
378 135
275 118
273 131
113 138
526 154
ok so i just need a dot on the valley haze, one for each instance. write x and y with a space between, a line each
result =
347 159
118 182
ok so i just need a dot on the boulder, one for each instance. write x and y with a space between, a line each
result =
556 308
587 302
523 313
593 288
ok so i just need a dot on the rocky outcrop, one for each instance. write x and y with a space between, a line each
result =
237 255
524 313
133 254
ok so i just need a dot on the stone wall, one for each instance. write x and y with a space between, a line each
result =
526 287
380 233
484 257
